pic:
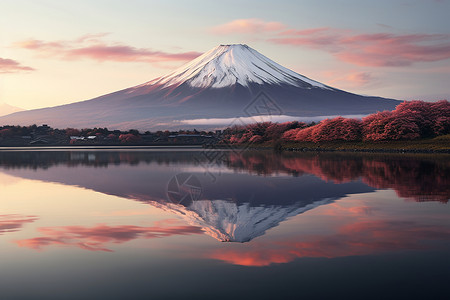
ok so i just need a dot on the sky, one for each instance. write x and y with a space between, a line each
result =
59 52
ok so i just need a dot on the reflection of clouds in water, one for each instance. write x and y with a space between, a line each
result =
249 199
13 222
99 237
353 238
337 209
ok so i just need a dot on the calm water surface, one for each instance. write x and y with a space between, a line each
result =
198 224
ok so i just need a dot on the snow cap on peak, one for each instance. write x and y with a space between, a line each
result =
234 45
227 65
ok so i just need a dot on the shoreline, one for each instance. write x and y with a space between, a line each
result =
241 149
97 147
440 151
435 145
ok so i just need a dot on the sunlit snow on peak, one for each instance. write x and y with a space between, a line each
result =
227 65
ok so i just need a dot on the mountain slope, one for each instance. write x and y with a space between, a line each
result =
6 109
221 83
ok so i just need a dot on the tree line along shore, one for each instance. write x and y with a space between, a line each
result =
412 126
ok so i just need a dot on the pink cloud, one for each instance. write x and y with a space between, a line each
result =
13 222
374 49
351 79
378 50
11 66
122 53
248 26
98 237
33 44
337 210
304 31
92 46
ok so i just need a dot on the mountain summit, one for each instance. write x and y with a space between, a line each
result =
228 65
220 84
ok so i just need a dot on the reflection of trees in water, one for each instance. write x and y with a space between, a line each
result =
418 177
46 159
415 179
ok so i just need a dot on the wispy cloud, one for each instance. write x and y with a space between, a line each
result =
11 66
94 47
350 79
364 49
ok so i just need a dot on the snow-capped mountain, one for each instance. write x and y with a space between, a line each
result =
220 84
228 65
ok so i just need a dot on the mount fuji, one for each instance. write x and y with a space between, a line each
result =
219 84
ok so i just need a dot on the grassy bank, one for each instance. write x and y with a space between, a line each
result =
437 144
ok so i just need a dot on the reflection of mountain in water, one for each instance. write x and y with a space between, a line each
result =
228 221
252 192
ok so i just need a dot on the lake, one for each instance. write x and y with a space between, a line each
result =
181 223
